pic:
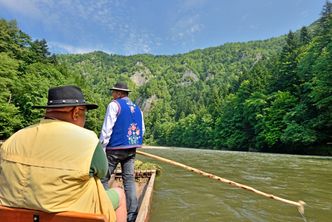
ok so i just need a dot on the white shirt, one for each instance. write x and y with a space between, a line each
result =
109 121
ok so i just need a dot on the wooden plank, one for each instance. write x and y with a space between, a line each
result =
144 210
8 214
144 190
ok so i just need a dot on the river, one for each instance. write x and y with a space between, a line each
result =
183 196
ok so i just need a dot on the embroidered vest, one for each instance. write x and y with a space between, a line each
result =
46 167
127 130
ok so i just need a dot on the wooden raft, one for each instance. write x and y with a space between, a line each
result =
144 188
8 214
144 192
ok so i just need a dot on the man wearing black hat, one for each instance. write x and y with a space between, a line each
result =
121 134
56 164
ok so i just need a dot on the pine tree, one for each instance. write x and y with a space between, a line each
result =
305 38
285 76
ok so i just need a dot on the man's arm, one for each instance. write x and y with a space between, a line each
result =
99 164
109 120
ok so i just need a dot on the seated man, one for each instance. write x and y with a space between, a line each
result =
56 165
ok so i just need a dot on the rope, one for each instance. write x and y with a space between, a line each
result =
299 204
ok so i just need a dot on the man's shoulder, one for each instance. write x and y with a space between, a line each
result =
82 133
84 130
70 128
25 130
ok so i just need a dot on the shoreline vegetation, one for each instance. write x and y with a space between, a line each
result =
315 151
312 151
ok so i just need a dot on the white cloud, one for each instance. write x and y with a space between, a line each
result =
24 7
187 21
138 43
71 13
66 48
186 28
78 26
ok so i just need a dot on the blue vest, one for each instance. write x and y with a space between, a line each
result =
127 130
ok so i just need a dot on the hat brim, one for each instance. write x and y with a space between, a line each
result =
120 89
88 106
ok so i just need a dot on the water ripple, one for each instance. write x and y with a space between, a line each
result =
180 195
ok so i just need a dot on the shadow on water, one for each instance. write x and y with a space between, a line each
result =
180 195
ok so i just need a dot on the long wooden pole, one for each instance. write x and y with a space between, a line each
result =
299 204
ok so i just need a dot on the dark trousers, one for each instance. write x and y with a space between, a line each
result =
126 158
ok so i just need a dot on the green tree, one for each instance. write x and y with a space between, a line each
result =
305 37
10 119
273 122
286 78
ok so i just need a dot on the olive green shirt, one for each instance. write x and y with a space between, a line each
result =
99 163
99 168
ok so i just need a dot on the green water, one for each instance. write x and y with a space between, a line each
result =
180 195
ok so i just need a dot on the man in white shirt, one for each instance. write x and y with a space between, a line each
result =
121 134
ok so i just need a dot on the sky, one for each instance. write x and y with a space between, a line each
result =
158 27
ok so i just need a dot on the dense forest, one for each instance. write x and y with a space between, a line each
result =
268 96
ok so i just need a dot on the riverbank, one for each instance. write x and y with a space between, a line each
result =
316 151
325 150
156 147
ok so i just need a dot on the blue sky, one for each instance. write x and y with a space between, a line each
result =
159 27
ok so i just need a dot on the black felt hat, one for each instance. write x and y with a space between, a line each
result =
64 96
120 86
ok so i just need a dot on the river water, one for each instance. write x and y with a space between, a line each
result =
180 195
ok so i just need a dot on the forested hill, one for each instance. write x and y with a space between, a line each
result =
178 92
272 96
